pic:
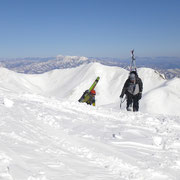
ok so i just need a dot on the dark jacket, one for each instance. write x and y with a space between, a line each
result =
128 84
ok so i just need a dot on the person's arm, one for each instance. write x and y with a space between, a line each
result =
140 88
140 85
124 89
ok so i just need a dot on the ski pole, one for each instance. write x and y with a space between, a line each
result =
122 101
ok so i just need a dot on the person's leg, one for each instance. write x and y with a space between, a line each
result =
135 103
129 101
93 101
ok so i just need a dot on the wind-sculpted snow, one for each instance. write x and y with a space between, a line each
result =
45 134
159 95
45 138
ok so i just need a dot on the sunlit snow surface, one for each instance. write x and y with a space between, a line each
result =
44 136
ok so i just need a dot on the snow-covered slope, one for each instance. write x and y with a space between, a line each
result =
53 139
45 134
159 95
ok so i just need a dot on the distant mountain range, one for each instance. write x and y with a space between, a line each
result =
169 66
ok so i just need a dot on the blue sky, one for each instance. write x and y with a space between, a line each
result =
98 28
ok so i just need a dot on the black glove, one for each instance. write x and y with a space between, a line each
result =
139 95
121 96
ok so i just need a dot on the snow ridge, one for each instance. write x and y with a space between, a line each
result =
159 95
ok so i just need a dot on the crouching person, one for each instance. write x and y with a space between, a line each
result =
91 99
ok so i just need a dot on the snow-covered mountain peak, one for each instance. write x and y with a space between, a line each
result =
150 73
71 58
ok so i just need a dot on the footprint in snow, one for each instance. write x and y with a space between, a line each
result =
8 103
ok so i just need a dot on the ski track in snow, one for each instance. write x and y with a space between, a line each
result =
43 138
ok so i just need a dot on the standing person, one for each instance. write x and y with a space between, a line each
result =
133 89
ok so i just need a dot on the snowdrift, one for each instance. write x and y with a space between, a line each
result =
45 134
45 138
159 95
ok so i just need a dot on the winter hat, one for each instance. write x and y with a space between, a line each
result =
93 92
134 72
